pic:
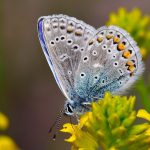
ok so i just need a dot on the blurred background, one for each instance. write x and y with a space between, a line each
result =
29 95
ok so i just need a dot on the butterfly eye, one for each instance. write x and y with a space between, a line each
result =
68 109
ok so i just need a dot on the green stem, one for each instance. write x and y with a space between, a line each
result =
144 94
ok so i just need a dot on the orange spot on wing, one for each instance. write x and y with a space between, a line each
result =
91 42
126 54
121 47
70 29
131 68
99 39
130 63
78 32
109 37
116 40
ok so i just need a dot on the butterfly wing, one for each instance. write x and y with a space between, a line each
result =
112 63
63 40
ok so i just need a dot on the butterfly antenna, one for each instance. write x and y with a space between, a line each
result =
51 128
57 124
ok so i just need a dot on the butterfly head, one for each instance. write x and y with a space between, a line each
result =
68 109
72 108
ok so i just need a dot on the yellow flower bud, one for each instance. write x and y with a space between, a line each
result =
4 122
6 143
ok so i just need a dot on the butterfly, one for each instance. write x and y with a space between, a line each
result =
86 62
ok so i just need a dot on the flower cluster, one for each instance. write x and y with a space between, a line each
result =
136 24
110 125
6 143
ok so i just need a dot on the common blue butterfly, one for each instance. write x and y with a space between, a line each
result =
87 62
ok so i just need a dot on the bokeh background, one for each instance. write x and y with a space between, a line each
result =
29 95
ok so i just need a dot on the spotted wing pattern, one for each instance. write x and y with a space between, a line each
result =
63 40
112 62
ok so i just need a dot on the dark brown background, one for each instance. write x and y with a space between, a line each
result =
32 98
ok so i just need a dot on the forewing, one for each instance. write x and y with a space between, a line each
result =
63 40
112 63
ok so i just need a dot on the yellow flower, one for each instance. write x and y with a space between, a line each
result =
6 143
88 142
110 125
139 27
4 122
144 53
142 113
